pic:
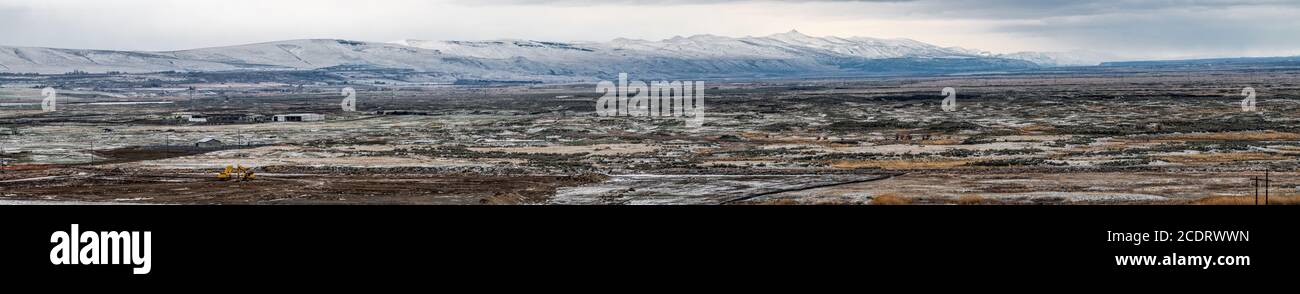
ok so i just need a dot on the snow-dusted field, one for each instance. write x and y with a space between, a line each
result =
691 189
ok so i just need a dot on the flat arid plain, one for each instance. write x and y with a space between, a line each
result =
1039 138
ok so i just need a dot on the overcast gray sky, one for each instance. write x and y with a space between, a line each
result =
1133 28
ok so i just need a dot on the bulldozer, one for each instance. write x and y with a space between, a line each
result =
236 174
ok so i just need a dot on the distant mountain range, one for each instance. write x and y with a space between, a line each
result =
791 54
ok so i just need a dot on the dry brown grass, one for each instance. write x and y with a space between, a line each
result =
763 137
1035 129
901 164
970 200
942 142
1249 200
890 199
1231 136
1222 157
509 198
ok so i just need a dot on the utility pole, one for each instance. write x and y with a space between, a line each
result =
1255 181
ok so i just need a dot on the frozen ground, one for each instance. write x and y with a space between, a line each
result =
693 189
1086 138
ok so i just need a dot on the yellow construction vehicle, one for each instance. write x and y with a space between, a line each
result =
236 173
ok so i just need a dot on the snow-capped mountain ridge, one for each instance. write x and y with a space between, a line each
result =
785 54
